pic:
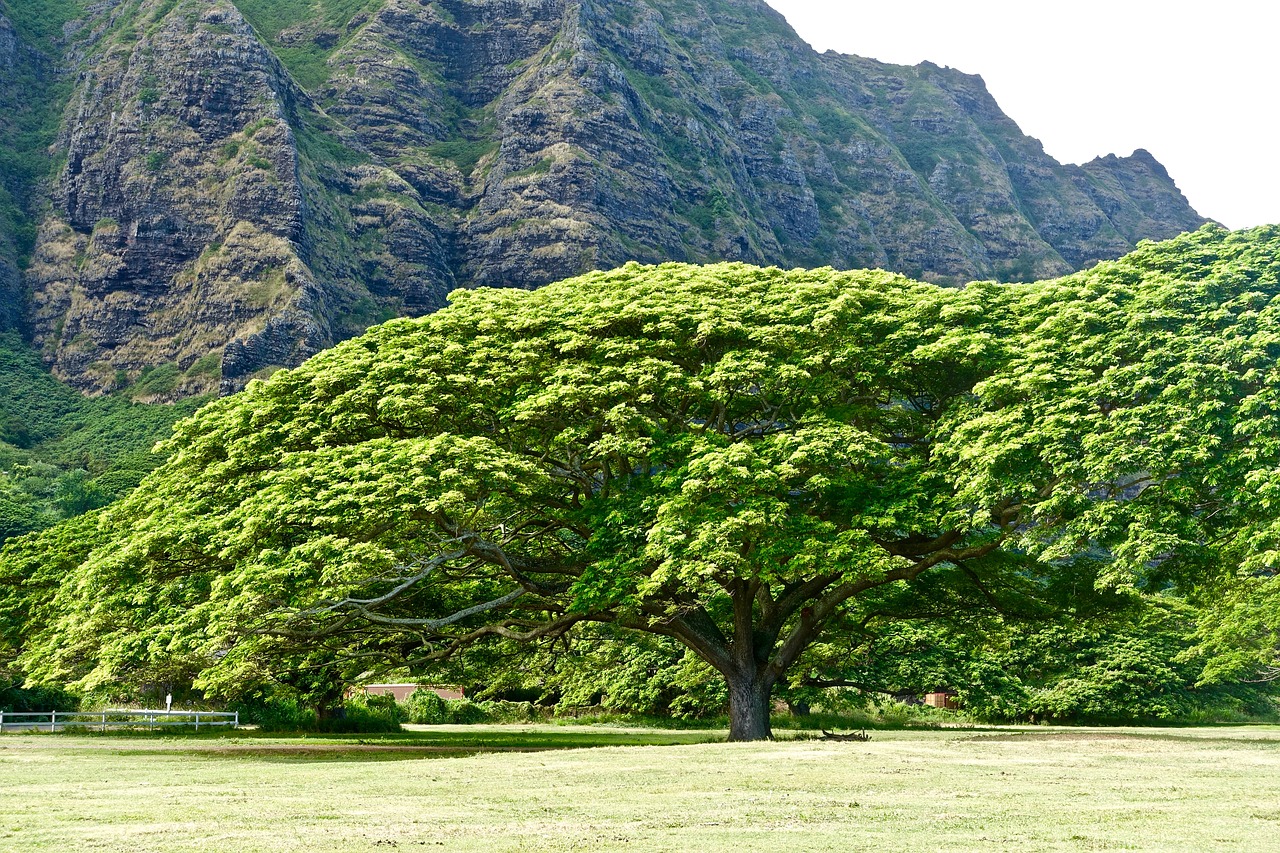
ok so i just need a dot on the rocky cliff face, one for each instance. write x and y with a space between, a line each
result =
179 212
17 65
242 183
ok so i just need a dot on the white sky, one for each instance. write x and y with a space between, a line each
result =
1197 85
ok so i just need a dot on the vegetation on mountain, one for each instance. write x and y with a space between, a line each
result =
62 454
252 181
756 464
32 96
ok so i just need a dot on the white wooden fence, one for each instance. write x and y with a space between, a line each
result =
53 721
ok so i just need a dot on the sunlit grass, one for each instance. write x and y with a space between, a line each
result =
1014 789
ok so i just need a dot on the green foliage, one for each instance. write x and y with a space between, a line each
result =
31 571
272 16
161 379
465 712
41 21
1238 627
62 454
277 714
501 711
229 150
308 61
750 462
602 670
15 698
285 712
365 714
656 92
596 371
425 707
31 103
326 147
155 160
76 494
1133 662
707 215
19 516
33 405
1133 678
465 154
836 124
207 365
541 167
1152 380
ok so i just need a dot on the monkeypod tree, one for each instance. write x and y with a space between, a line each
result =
1147 395
726 456
742 459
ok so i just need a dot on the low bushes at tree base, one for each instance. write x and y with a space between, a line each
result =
360 715
424 707
16 698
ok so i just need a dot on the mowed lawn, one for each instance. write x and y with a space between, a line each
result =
1015 789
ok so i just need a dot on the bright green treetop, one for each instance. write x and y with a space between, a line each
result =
734 457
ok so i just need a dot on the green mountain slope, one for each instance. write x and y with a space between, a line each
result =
236 185
62 454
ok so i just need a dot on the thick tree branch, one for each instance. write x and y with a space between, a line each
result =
433 624
407 584
538 630
812 620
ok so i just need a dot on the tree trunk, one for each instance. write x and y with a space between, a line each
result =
750 701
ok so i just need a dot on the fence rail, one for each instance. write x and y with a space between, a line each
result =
53 721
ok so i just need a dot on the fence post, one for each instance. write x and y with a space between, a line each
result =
53 721
197 721
1 722
104 722
234 725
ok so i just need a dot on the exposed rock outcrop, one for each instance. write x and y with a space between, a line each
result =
238 193
8 45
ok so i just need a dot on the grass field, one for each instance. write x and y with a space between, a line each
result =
479 788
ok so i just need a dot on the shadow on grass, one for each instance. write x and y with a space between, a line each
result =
1131 734
443 742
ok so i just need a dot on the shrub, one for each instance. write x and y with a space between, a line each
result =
360 715
466 712
498 711
381 706
15 698
364 715
18 517
119 482
425 707
277 715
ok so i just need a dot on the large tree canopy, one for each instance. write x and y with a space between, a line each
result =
737 458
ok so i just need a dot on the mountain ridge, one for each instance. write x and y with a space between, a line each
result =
234 186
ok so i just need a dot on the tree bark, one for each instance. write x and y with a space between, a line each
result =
750 703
